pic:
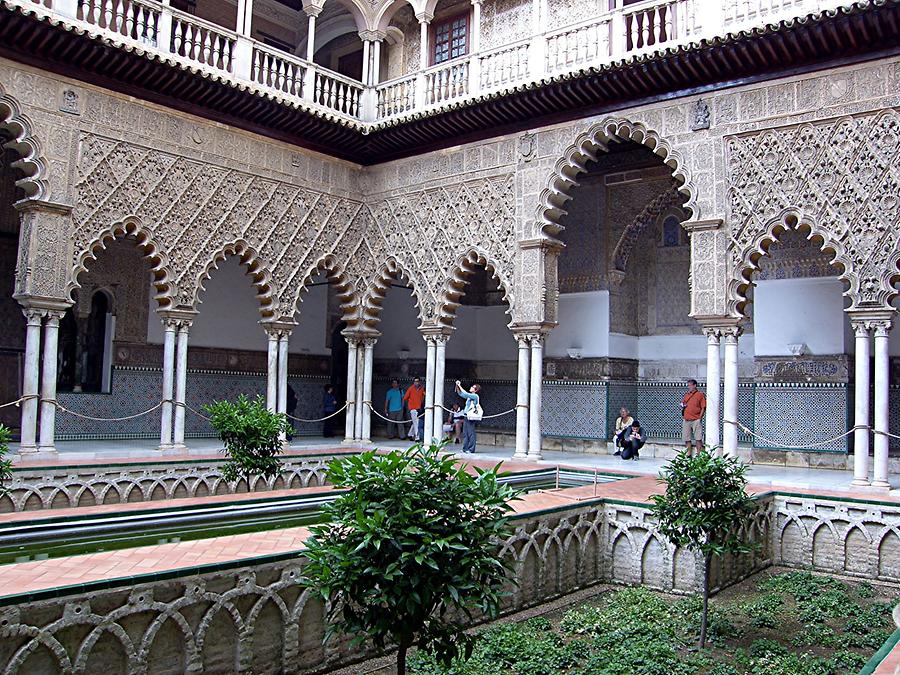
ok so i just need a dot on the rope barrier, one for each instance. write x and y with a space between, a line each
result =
378 414
19 401
321 419
776 444
196 412
484 417
62 408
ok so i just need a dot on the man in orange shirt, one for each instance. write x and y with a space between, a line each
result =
414 398
693 407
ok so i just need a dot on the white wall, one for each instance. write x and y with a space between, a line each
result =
793 311
229 315
583 324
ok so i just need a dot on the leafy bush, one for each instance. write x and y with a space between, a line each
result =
251 434
411 551
5 464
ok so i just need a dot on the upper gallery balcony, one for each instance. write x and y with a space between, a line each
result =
374 63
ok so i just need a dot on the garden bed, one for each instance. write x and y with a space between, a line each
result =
777 623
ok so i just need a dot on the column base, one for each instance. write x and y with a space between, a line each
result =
177 447
165 447
534 458
880 485
47 450
28 449
521 457
349 441
860 482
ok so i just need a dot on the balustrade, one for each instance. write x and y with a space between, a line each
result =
504 66
278 70
578 46
613 34
130 18
202 42
337 93
447 82
397 96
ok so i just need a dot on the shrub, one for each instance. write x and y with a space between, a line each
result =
251 434
5 464
411 550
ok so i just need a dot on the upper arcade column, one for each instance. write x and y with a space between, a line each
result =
312 11
425 19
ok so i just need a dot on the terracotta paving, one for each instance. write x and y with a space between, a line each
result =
891 663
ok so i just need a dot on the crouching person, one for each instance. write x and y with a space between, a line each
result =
632 441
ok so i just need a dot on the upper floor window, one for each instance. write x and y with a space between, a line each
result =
450 37
672 232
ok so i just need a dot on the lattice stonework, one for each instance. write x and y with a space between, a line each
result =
839 177
188 214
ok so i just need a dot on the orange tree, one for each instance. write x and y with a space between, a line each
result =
410 554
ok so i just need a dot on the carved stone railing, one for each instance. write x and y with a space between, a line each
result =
617 33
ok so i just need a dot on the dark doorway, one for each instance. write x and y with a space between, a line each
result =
351 65
339 353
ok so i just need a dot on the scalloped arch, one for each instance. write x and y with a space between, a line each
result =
163 278
337 275
586 148
457 280
257 269
32 161
369 309
788 219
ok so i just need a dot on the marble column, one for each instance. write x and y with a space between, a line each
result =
168 383
429 389
475 49
882 403
360 392
181 356
861 405
283 337
713 384
312 12
375 73
350 426
422 97
522 382
272 370
440 357
46 442
367 47
534 417
368 358
729 426
33 319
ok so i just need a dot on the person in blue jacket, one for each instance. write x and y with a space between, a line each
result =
469 425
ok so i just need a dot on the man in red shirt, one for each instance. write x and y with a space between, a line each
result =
414 398
693 407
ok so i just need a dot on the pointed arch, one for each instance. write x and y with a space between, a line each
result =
458 278
163 277
647 218
258 270
32 160
373 297
587 147
746 261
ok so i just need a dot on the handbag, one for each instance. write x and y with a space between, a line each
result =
475 413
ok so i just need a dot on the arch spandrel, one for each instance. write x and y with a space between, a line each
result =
455 285
32 161
839 179
259 271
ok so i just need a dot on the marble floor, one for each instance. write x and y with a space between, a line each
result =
134 450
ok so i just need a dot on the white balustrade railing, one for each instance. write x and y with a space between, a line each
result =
578 46
278 70
337 93
613 34
447 81
653 24
133 19
504 66
396 96
202 42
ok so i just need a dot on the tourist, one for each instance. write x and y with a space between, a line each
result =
472 413
633 439
693 407
291 410
329 407
454 424
414 398
393 410
623 422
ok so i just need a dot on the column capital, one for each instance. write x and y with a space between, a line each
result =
731 333
312 7
33 315
425 17
713 335
372 35
436 334
278 329
44 206
53 317
882 328
358 338
475 2
870 320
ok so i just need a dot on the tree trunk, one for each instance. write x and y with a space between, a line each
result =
705 613
401 660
